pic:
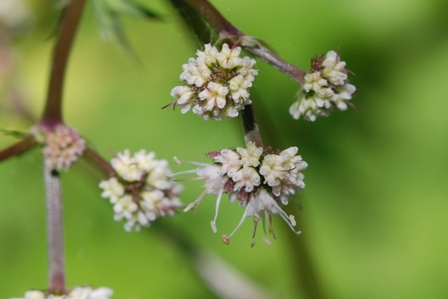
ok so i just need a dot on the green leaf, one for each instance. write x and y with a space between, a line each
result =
13 133
108 13
203 31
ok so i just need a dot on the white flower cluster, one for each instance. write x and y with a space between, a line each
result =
62 146
260 179
76 293
14 13
143 190
216 83
325 88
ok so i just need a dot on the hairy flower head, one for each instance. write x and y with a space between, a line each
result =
216 83
142 190
62 145
325 88
260 179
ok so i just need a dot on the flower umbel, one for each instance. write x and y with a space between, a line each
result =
76 293
325 88
216 83
260 179
62 146
142 190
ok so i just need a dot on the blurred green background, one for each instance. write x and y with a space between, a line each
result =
374 217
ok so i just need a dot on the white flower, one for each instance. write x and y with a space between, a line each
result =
112 190
143 190
230 162
89 293
325 88
216 83
251 155
246 177
185 95
314 81
14 13
76 293
62 145
124 208
334 69
229 58
126 167
260 179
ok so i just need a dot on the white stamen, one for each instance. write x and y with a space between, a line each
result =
285 217
216 211
182 172
293 220
239 224
177 160
266 240
213 225
196 202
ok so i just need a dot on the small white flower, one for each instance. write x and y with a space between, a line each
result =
143 190
124 208
251 155
260 179
127 167
75 293
216 83
314 81
112 190
325 88
14 13
185 96
334 69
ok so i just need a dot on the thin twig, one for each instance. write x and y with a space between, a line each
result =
276 61
18 148
94 159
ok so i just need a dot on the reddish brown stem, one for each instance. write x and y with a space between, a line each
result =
68 25
100 164
18 148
